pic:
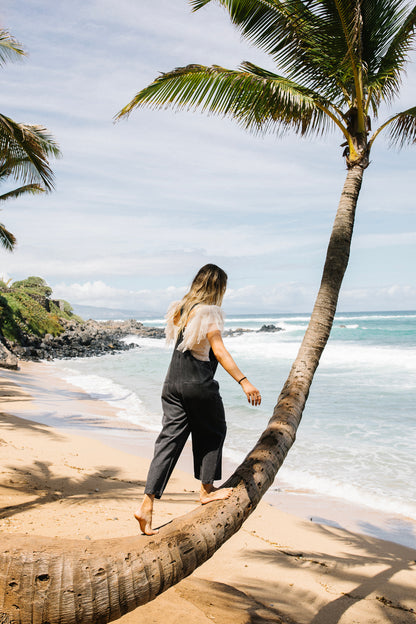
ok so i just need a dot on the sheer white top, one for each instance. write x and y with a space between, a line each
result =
205 318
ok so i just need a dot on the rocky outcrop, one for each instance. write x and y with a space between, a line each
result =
87 339
242 330
33 326
270 328
8 359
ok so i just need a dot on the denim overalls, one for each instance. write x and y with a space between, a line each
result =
191 405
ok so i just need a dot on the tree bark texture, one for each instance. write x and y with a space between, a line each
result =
51 581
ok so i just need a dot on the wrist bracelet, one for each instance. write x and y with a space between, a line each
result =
242 378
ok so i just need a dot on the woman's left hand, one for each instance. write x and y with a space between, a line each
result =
224 358
253 395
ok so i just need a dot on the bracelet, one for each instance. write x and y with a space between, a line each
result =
242 378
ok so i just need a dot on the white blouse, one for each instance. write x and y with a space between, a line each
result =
205 318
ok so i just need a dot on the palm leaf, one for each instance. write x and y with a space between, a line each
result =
22 190
331 45
403 128
28 147
341 20
306 39
10 167
7 239
314 113
256 99
10 49
386 78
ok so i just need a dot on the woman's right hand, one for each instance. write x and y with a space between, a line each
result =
253 395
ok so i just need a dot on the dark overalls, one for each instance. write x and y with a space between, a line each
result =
191 405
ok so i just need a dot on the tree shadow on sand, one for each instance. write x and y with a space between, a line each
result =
341 570
215 599
38 481
44 487
11 392
9 422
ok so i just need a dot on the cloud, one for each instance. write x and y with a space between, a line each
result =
372 241
88 246
391 297
100 294
248 299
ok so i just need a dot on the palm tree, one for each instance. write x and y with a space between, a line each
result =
24 149
342 59
9 168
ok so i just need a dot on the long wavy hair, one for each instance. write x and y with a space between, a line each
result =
208 286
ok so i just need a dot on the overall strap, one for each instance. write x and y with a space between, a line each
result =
180 334
192 307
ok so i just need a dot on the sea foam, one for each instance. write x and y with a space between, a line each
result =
128 405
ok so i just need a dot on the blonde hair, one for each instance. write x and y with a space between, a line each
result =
208 286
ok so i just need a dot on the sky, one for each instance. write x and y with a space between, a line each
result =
140 205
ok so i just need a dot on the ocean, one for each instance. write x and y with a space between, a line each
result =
357 438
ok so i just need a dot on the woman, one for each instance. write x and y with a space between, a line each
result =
190 398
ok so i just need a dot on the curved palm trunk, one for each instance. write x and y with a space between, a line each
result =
68 581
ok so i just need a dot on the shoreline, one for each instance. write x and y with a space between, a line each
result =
111 429
59 480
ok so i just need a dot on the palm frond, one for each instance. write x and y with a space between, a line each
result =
323 109
7 239
10 49
33 189
10 167
399 35
331 46
258 100
403 128
306 38
198 4
29 147
342 17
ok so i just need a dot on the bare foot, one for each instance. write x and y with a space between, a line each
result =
144 516
215 494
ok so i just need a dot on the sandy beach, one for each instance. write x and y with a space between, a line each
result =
71 468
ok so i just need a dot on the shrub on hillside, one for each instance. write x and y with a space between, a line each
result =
34 285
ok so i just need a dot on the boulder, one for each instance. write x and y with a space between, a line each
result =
8 359
270 328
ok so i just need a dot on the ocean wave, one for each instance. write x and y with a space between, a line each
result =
298 318
344 354
148 343
267 319
374 317
302 480
152 322
337 353
128 405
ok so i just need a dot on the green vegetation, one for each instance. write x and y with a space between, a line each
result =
34 285
27 309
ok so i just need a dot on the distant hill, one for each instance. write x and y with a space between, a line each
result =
108 314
